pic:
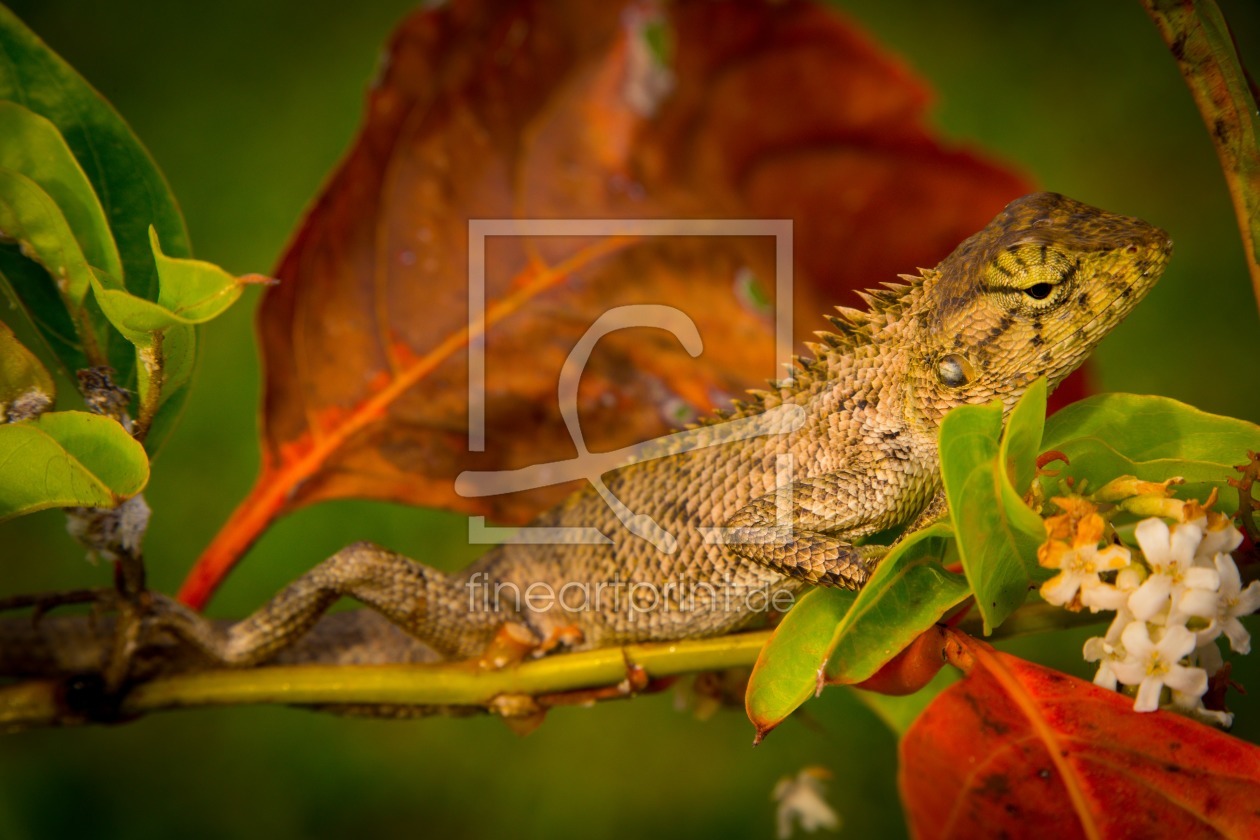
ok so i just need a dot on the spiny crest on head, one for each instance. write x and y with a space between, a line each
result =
853 327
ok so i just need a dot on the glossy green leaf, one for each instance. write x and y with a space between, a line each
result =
846 637
164 346
908 593
997 534
32 293
1021 439
1154 438
32 146
21 373
68 458
29 217
192 292
787 669
132 191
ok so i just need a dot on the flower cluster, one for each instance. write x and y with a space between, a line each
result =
1173 597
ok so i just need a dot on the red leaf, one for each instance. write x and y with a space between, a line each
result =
913 668
525 110
1018 750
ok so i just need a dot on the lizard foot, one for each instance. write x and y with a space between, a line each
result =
511 644
567 637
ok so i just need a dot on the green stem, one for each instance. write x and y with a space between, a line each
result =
458 683
38 703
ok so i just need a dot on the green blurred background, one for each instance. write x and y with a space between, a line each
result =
246 106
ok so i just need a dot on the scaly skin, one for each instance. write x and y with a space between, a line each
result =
1029 296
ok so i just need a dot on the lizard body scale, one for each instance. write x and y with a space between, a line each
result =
1030 295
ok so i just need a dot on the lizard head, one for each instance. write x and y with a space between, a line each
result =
1030 295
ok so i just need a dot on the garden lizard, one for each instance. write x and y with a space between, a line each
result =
846 449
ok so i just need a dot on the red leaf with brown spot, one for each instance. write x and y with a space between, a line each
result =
1018 750
556 110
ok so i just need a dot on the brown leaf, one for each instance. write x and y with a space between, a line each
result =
1018 750
558 110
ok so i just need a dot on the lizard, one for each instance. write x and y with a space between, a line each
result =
1029 295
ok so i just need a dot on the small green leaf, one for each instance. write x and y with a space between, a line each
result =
1153 438
33 294
65 459
997 533
787 669
908 593
1021 441
33 146
848 636
30 217
194 291
21 373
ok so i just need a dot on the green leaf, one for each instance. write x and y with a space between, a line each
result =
848 636
130 187
907 594
65 459
33 146
21 373
192 292
30 217
33 294
787 669
1153 438
131 192
1021 441
997 533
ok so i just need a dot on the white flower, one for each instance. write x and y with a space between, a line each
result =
1192 704
1219 537
801 800
1207 657
1097 649
1071 547
1079 568
1152 665
1232 601
1115 597
1170 554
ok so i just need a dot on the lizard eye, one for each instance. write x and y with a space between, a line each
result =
954 371
1039 291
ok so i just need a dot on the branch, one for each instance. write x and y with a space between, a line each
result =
1198 37
45 702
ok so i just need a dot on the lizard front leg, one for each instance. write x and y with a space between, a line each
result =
426 603
806 529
